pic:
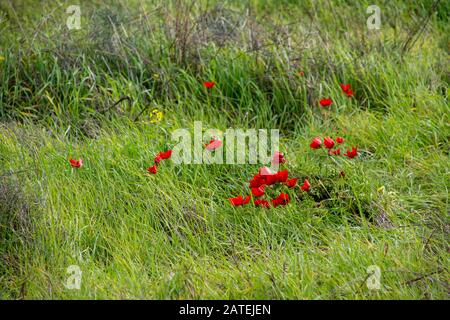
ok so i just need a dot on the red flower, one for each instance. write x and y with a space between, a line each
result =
349 93
325 102
306 185
209 84
347 90
282 199
339 139
165 155
328 142
157 159
262 203
153 169
258 192
76 163
278 158
345 87
291 182
335 152
301 73
316 143
281 176
351 154
213 144
239 201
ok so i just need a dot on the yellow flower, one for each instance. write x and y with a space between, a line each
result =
2 58
156 116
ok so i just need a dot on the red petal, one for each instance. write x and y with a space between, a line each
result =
213 145
292 182
262 203
153 169
258 192
282 176
328 142
306 185
166 154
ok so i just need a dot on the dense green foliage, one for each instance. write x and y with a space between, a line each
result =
174 234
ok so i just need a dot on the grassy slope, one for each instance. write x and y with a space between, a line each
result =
175 235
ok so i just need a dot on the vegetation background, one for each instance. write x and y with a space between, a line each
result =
174 235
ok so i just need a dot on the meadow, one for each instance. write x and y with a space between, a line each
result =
112 92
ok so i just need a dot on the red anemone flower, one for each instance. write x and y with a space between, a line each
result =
306 185
157 159
258 192
291 182
339 140
278 158
76 163
262 203
213 144
349 93
153 169
335 152
209 84
282 176
328 142
351 153
239 200
316 143
165 155
282 199
345 87
325 102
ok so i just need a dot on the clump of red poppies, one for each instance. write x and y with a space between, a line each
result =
263 179
160 156
347 90
329 144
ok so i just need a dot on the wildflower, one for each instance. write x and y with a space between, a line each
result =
281 176
239 200
157 159
262 203
259 191
291 182
316 143
209 84
165 155
328 142
2 58
153 169
301 73
278 158
213 144
156 116
306 185
351 153
325 102
335 152
282 199
339 140
347 90
76 163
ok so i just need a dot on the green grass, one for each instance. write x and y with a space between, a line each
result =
174 235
